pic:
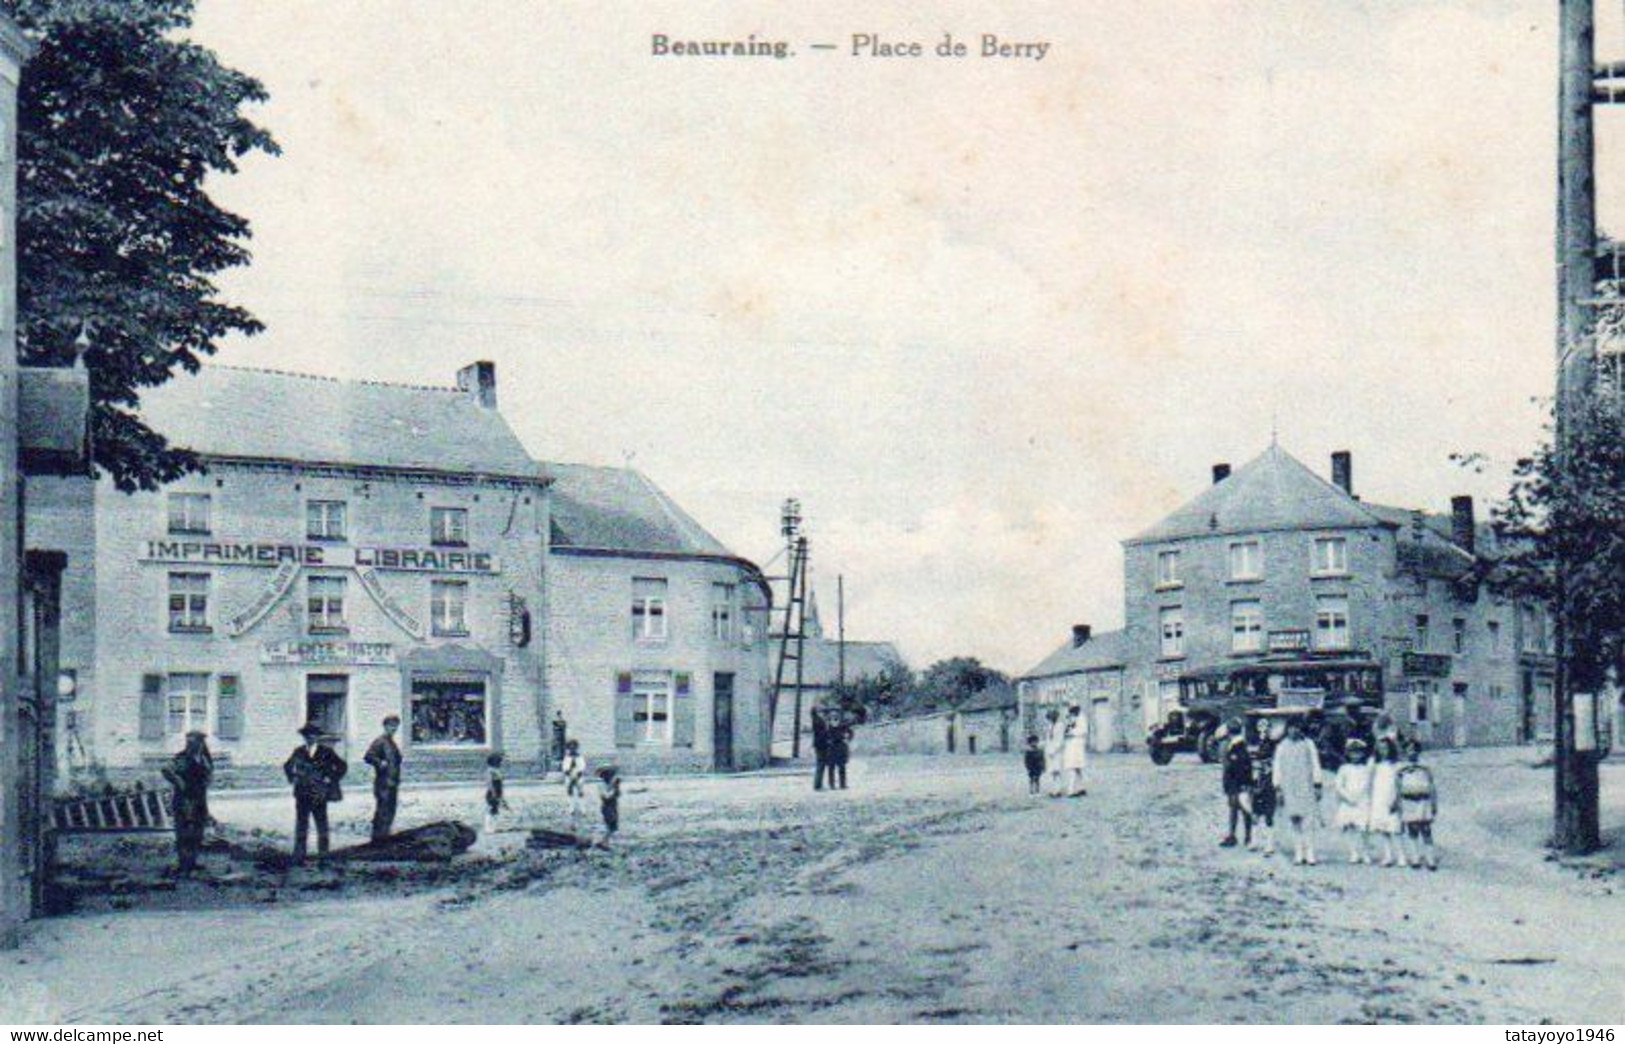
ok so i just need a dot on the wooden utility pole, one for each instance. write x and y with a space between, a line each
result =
1575 826
840 629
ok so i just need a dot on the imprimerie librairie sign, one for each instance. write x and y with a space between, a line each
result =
254 553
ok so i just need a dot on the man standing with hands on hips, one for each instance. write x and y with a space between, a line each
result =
385 758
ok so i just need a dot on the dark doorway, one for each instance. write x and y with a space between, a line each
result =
722 721
326 696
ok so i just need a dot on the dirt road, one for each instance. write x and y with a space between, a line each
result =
934 890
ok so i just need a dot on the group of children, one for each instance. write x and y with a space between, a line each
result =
1384 808
574 769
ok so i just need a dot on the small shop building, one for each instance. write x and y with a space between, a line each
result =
1087 671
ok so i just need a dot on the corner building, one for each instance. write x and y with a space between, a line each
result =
351 550
1275 567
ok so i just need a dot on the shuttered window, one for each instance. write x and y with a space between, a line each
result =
626 733
228 709
152 706
682 734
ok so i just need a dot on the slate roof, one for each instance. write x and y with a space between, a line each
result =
997 696
821 667
1102 650
1273 491
228 412
619 509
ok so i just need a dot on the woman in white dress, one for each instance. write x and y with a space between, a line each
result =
1054 748
1075 754
1296 774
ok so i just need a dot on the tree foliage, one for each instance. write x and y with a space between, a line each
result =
898 692
1570 507
121 122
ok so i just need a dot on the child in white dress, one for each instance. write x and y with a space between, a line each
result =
574 768
1385 802
1353 785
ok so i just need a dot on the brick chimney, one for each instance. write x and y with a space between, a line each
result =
1220 473
1080 635
1343 471
1463 526
480 380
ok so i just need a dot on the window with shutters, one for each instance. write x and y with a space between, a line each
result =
187 703
228 708
325 598
326 519
189 513
648 610
448 607
188 602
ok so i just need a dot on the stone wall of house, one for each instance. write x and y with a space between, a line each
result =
594 650
270 664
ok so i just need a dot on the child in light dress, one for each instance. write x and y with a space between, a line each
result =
574 768
1385 802
1418 807
1353 785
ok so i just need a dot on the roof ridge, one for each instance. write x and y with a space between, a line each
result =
328 378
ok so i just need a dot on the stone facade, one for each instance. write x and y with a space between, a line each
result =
250 683
689 693
1323 574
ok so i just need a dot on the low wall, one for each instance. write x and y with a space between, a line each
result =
981 732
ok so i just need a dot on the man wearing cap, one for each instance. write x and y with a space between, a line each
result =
190 773
385 758
314 769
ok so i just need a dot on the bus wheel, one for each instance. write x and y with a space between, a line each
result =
1161 755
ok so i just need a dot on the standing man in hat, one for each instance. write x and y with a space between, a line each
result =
190 772
314 769
385 758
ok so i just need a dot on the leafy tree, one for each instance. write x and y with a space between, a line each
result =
949 683
121 122
1572 509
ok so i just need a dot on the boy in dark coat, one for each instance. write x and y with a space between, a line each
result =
1033 759
314 769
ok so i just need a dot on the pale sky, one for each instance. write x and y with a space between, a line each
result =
986 318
